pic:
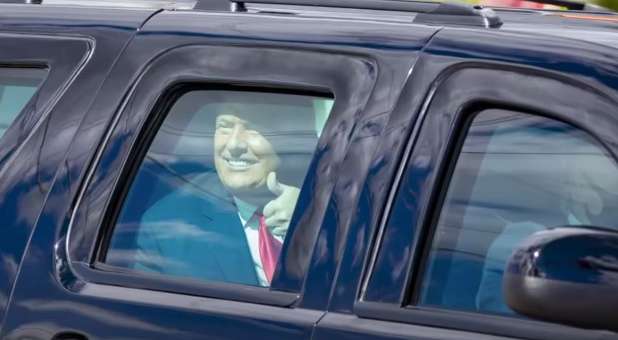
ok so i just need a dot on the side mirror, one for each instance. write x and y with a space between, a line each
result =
566 275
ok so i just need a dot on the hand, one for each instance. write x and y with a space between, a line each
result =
278 212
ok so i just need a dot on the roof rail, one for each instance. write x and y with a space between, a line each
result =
383 5
427 12
459 14
215 5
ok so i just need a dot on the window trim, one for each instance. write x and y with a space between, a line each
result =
446 167
115 275
462 109
63 57
127 175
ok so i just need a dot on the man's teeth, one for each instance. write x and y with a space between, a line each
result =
238 163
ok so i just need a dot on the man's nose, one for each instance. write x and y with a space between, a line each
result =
237 143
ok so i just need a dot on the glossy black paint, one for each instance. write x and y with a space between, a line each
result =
466 67
591 259
22 148
36 143
212 65
392 143
561 262
355 55
587 105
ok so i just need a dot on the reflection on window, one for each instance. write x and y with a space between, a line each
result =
214 195
516 174
17 86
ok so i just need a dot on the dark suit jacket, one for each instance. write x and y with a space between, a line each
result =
194 234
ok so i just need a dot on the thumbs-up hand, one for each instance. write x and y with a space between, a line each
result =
278 212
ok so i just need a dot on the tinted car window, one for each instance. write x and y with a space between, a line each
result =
17 86
213 197
516 174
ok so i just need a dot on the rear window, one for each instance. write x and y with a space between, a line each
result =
17 87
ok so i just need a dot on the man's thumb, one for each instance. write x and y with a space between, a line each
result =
273 185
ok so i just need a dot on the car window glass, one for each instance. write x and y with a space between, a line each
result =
17 86
515 175
213 197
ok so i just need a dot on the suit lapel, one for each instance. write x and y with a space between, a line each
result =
227 240
229 245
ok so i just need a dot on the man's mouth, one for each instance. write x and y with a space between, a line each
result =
239 164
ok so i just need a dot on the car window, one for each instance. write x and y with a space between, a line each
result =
516 174
17 86
214 194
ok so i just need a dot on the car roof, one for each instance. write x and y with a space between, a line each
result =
600 27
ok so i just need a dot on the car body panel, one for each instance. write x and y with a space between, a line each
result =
350 196
540 74
116 310
78 54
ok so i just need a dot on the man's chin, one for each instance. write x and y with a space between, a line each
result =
255 192
243 187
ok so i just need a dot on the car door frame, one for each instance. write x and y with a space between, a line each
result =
461 73
448 116
63 57
344 134
278 69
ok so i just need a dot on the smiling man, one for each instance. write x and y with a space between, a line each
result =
228 224
247 164
243 156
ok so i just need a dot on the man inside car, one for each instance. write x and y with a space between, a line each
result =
229 225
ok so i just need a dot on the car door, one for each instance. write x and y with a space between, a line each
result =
505 141
121 235
47 70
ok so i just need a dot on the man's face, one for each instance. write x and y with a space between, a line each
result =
243 157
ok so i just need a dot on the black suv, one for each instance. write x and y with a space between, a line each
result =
326 169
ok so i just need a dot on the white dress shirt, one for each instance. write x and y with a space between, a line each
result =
246 213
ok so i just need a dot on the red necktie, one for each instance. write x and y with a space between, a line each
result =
269 247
